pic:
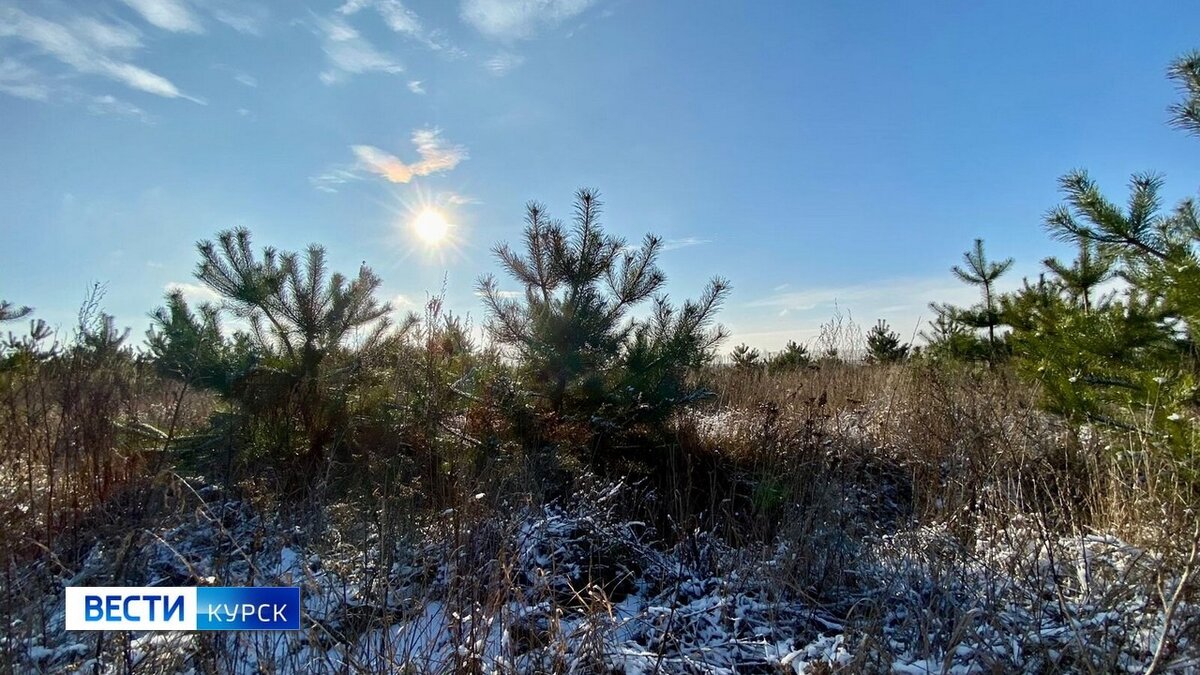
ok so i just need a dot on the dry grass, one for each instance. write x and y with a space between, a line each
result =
924 510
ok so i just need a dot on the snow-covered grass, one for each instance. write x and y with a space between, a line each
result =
576 586
857 520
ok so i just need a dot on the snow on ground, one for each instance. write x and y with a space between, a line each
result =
574 587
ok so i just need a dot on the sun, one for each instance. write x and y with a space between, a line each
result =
431 226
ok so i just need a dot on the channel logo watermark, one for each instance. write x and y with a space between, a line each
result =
182 608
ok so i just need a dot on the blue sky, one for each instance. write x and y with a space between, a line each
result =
813 153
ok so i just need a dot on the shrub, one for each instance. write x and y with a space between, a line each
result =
793 357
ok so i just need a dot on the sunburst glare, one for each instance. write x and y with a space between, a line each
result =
431 226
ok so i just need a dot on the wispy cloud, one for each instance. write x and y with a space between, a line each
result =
437 156
18 79
398 17
171 15
900 294
193 292
111 105
502 63
416 86
334 178
518 19
88 47
246 79
455 199
674 244
244 17
349 53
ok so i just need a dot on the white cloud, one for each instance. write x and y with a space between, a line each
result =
334 178
896 293
88 47
18 79
172 15
246 79
416 87
502 63
398 17
244 17
106 37
674 244
455 199
508 295
518 19
349 53
193 292
437 156
111 105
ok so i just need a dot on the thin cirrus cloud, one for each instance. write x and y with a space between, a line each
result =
400 19
170 15
502 63
108 104
18 79
348 53
181 16
88 47
518 19
892 293
685 242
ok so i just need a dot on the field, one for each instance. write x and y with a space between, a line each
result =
838 518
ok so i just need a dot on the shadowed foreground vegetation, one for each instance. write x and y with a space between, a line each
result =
594 490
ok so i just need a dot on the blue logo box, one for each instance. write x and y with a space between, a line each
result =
232 608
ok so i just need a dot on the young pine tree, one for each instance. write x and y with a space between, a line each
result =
745 357
190 346
793 357
11 312
978 271
1185 71
1135 352
949 337
571 324
1081 278
884 345
301 319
